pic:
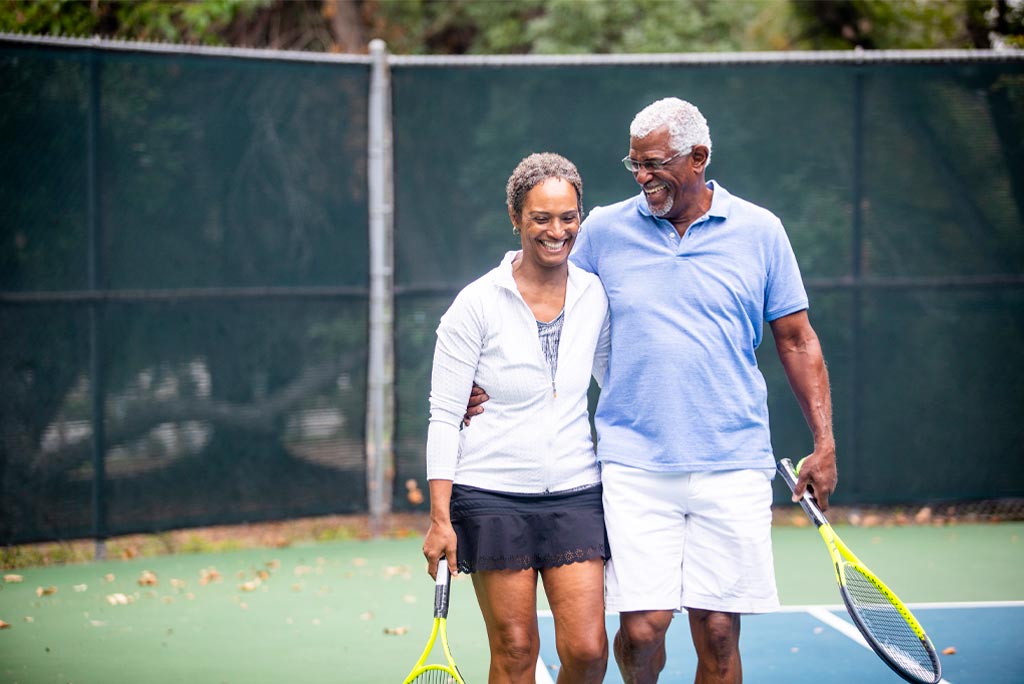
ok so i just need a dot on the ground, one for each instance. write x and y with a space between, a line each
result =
403 525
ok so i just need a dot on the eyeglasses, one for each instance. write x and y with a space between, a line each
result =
650 165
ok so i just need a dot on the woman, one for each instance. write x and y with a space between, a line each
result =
517 494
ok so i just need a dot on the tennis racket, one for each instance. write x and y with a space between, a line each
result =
435 673
888 626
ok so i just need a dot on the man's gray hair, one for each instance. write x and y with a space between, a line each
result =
687 127
536 169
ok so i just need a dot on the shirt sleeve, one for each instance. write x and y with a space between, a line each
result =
784 290
604 345
456 354
583 250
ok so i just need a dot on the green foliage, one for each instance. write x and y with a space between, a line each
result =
574 27
185 22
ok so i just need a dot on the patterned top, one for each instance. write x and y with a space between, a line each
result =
550 334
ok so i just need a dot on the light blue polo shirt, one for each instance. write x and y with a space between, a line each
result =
683 391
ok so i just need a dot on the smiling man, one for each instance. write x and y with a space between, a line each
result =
691 273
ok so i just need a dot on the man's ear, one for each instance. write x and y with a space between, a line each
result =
700 156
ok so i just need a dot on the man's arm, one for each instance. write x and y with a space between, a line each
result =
802 359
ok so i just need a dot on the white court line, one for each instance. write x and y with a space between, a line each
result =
848 630
839 606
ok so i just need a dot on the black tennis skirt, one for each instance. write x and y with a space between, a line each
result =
505 531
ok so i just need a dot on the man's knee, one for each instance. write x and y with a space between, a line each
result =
644 631
719 632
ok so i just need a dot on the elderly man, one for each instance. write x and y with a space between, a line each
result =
692 272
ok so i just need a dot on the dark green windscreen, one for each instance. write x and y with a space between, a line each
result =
901 188
184 265
220 204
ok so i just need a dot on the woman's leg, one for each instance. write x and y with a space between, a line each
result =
508 601
576 595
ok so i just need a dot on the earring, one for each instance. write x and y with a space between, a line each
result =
515 230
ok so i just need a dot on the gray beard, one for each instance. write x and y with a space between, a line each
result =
665 208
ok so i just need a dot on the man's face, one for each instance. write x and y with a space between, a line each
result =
662 187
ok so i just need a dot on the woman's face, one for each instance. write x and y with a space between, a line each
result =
549 222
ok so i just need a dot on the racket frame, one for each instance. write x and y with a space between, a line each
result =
442 590
842 555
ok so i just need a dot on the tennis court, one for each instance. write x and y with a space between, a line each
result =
360 611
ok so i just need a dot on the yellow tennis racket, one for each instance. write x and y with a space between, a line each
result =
435 673
887 625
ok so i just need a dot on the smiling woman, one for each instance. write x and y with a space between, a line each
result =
517 494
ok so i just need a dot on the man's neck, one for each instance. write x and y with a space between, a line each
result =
695 206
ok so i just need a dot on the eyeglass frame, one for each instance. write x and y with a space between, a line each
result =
651 165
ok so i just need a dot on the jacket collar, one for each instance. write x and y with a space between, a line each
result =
575 287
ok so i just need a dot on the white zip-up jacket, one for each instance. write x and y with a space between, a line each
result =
534 434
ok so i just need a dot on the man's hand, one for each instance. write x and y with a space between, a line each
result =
818 474
476 397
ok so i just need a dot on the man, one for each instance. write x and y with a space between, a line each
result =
691 274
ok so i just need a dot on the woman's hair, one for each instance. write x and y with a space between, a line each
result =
536 169
687 127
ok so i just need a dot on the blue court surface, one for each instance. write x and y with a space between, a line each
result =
816 644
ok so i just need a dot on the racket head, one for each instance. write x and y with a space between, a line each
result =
889 627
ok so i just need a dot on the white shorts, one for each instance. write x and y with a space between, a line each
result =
689 540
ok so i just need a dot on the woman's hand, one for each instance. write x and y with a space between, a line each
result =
440 542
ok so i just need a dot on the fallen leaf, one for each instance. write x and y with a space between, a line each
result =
29 619
949 650
274 564
46 591
396 631
5 625
148 579
13 579
80 588
359 562
178 583
366 616
263 575
409 598
109 577
251 585
207 575
118 599
922 516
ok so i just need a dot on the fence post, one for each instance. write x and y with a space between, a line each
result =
380 419
97 393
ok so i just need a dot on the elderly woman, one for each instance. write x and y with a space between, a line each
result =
517 494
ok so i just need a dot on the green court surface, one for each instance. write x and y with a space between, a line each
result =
360 611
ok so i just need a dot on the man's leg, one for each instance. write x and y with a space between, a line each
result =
640 645
716 636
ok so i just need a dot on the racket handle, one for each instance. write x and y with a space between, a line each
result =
807 502
442 583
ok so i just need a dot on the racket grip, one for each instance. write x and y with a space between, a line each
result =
807 502
442 584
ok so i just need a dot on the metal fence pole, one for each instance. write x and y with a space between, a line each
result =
856 396
95 275
380 418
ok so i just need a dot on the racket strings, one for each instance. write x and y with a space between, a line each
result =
435 677
888 625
